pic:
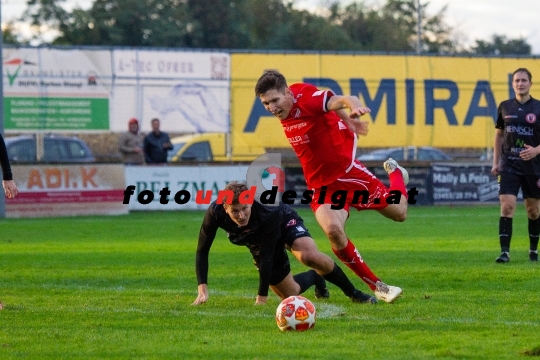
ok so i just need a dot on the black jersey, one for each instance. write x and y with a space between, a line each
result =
521 126
262 236
4 161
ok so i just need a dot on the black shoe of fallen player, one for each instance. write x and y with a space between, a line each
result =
360 297
321 293
533 256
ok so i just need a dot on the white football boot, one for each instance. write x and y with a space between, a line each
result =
387 293
390 165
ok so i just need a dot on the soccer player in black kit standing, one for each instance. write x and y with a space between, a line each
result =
516 162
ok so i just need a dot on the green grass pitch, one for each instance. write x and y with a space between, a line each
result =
121 287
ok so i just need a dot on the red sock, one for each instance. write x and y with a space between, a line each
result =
350 256
397 183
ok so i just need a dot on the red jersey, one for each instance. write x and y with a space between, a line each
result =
323 143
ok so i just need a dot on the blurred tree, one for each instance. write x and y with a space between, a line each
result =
10 35
435 33
44 16
306 31
116 22
501 45
219 24
262 27
163 23
393 27
80 30
252 24
291 29
370 29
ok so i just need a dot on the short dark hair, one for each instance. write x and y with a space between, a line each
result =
522 70
237 188
270 80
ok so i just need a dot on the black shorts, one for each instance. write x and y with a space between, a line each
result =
293 228
510 183
281 266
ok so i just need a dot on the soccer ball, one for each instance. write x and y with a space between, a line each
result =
295 313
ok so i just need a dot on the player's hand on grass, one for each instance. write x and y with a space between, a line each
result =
202 297
261 300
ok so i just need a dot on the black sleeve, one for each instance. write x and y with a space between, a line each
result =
500 120
4 161
206 238
272 233
329 94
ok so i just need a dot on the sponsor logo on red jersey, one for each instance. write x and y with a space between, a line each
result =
301 139
296 126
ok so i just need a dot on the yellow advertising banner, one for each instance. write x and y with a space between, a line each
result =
414 100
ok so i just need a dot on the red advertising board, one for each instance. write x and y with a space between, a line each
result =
67 190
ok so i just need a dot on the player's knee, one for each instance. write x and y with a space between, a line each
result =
507 210
401 217
397 213
308 260
533 213
334 231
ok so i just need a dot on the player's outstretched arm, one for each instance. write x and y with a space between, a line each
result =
356 109
497 148
202 297
10 188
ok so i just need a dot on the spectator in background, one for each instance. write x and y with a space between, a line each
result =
156 145
130 144
10 188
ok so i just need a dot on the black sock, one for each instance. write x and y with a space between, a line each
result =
534 232
338 278
319 281
306 279
505 233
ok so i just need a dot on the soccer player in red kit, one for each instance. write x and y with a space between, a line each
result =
324 136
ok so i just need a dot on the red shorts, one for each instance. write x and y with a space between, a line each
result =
358 188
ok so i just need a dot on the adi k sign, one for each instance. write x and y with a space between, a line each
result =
67 190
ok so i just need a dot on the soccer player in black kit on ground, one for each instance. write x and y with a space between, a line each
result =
515 161
267 231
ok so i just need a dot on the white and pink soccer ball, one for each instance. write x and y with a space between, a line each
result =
295 313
